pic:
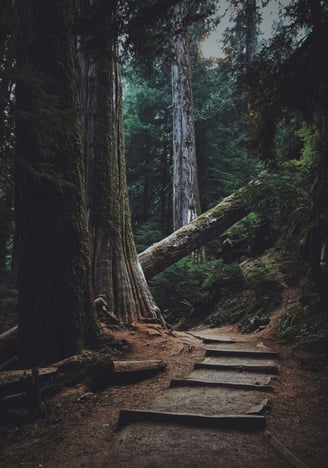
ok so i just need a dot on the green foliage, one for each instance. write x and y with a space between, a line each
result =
224 162
289 141
147 234
217 293
181 287
263 282
249 237
284 198
259 294
307 328
308 134
148 147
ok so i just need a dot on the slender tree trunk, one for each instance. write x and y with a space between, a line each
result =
55 304
186 204
117 274
251 30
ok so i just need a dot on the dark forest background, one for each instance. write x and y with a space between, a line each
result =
259 107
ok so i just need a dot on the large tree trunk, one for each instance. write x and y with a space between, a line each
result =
188 238
186 205
117 275
55 304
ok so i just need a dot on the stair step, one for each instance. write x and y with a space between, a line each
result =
237 367
203 383
228 421
242 353
222 341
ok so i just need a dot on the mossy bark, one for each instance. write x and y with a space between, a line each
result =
55 303
194 235
117 274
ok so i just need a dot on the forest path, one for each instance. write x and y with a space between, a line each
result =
80 429
212 418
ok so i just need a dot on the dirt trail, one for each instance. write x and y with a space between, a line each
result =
175 444
81 427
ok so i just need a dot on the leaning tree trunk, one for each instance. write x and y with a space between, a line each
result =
117 275
186 205
55 305
194 235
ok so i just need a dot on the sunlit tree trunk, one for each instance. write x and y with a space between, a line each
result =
117 275
55 304
186 204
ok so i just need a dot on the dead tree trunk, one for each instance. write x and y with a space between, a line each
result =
193 235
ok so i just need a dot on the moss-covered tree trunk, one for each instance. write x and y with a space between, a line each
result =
117 274
56 312
201 230
186 204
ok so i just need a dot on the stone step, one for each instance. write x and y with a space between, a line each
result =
242 353
260 369
227 421
210 383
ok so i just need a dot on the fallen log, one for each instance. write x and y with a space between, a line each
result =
201 230
132 371
11 381
8 335
97 372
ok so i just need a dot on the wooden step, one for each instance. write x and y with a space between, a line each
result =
220 341
242 353
265 369
208 383
231 421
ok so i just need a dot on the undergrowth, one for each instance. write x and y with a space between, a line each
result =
216 293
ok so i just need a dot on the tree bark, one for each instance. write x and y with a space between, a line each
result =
186 204
251 30
117 275
195 234
55 303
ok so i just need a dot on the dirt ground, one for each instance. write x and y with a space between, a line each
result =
79 428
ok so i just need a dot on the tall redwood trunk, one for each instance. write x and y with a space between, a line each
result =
117 274
186 205
56 314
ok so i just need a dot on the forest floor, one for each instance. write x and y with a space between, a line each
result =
80 429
